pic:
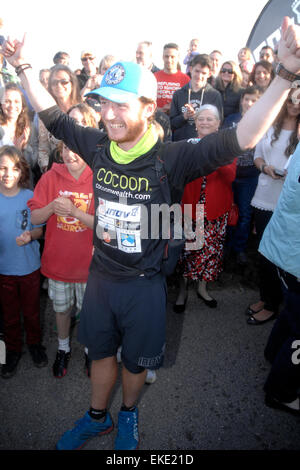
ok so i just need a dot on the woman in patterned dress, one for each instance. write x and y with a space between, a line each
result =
214 193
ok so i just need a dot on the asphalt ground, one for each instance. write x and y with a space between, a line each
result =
208 395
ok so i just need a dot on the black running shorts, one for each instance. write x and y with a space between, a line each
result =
130 313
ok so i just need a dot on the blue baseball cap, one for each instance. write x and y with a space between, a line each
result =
125 81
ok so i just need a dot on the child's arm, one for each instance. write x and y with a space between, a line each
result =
29 235
40 216
64 207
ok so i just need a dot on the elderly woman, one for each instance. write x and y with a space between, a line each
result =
214 192
63 86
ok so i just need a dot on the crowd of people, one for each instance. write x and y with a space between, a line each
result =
72 140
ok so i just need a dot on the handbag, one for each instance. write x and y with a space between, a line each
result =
233 215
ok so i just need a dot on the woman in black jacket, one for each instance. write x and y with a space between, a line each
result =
228 83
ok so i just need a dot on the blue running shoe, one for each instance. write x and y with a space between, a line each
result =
128 434
85 428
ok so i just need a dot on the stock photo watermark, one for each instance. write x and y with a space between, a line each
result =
296 354
124 226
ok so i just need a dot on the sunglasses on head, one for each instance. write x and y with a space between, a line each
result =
227 71
60 82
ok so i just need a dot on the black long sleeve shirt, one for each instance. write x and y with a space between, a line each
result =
127 194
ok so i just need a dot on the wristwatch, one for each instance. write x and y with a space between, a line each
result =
284 73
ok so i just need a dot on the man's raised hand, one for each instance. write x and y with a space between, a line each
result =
13 51
289 46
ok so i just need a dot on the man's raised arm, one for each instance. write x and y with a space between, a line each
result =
15 53
260 117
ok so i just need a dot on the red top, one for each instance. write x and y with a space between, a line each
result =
68 242
218 192
167 83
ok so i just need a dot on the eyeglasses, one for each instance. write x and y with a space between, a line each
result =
62 82
85 59
227 71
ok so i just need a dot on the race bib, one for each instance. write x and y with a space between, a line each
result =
119 225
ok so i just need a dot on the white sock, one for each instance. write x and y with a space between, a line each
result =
64 344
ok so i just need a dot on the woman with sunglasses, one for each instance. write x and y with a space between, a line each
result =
228 83
63 86
17 129
262 74
271 157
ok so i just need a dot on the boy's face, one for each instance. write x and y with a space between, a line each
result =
248 100
73 162
199 75
10 175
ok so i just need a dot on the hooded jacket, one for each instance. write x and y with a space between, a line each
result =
68 242
186 129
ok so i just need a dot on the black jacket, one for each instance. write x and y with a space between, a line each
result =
231 100
185 129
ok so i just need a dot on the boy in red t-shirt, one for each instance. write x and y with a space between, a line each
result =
63 199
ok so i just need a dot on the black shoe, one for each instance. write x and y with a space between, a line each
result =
87 364
10 368
273 403
180 308
38 355
210 303
253 321
61 363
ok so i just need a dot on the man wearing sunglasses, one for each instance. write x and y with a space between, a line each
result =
89 69
125 300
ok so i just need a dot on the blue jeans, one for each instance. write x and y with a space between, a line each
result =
243 191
